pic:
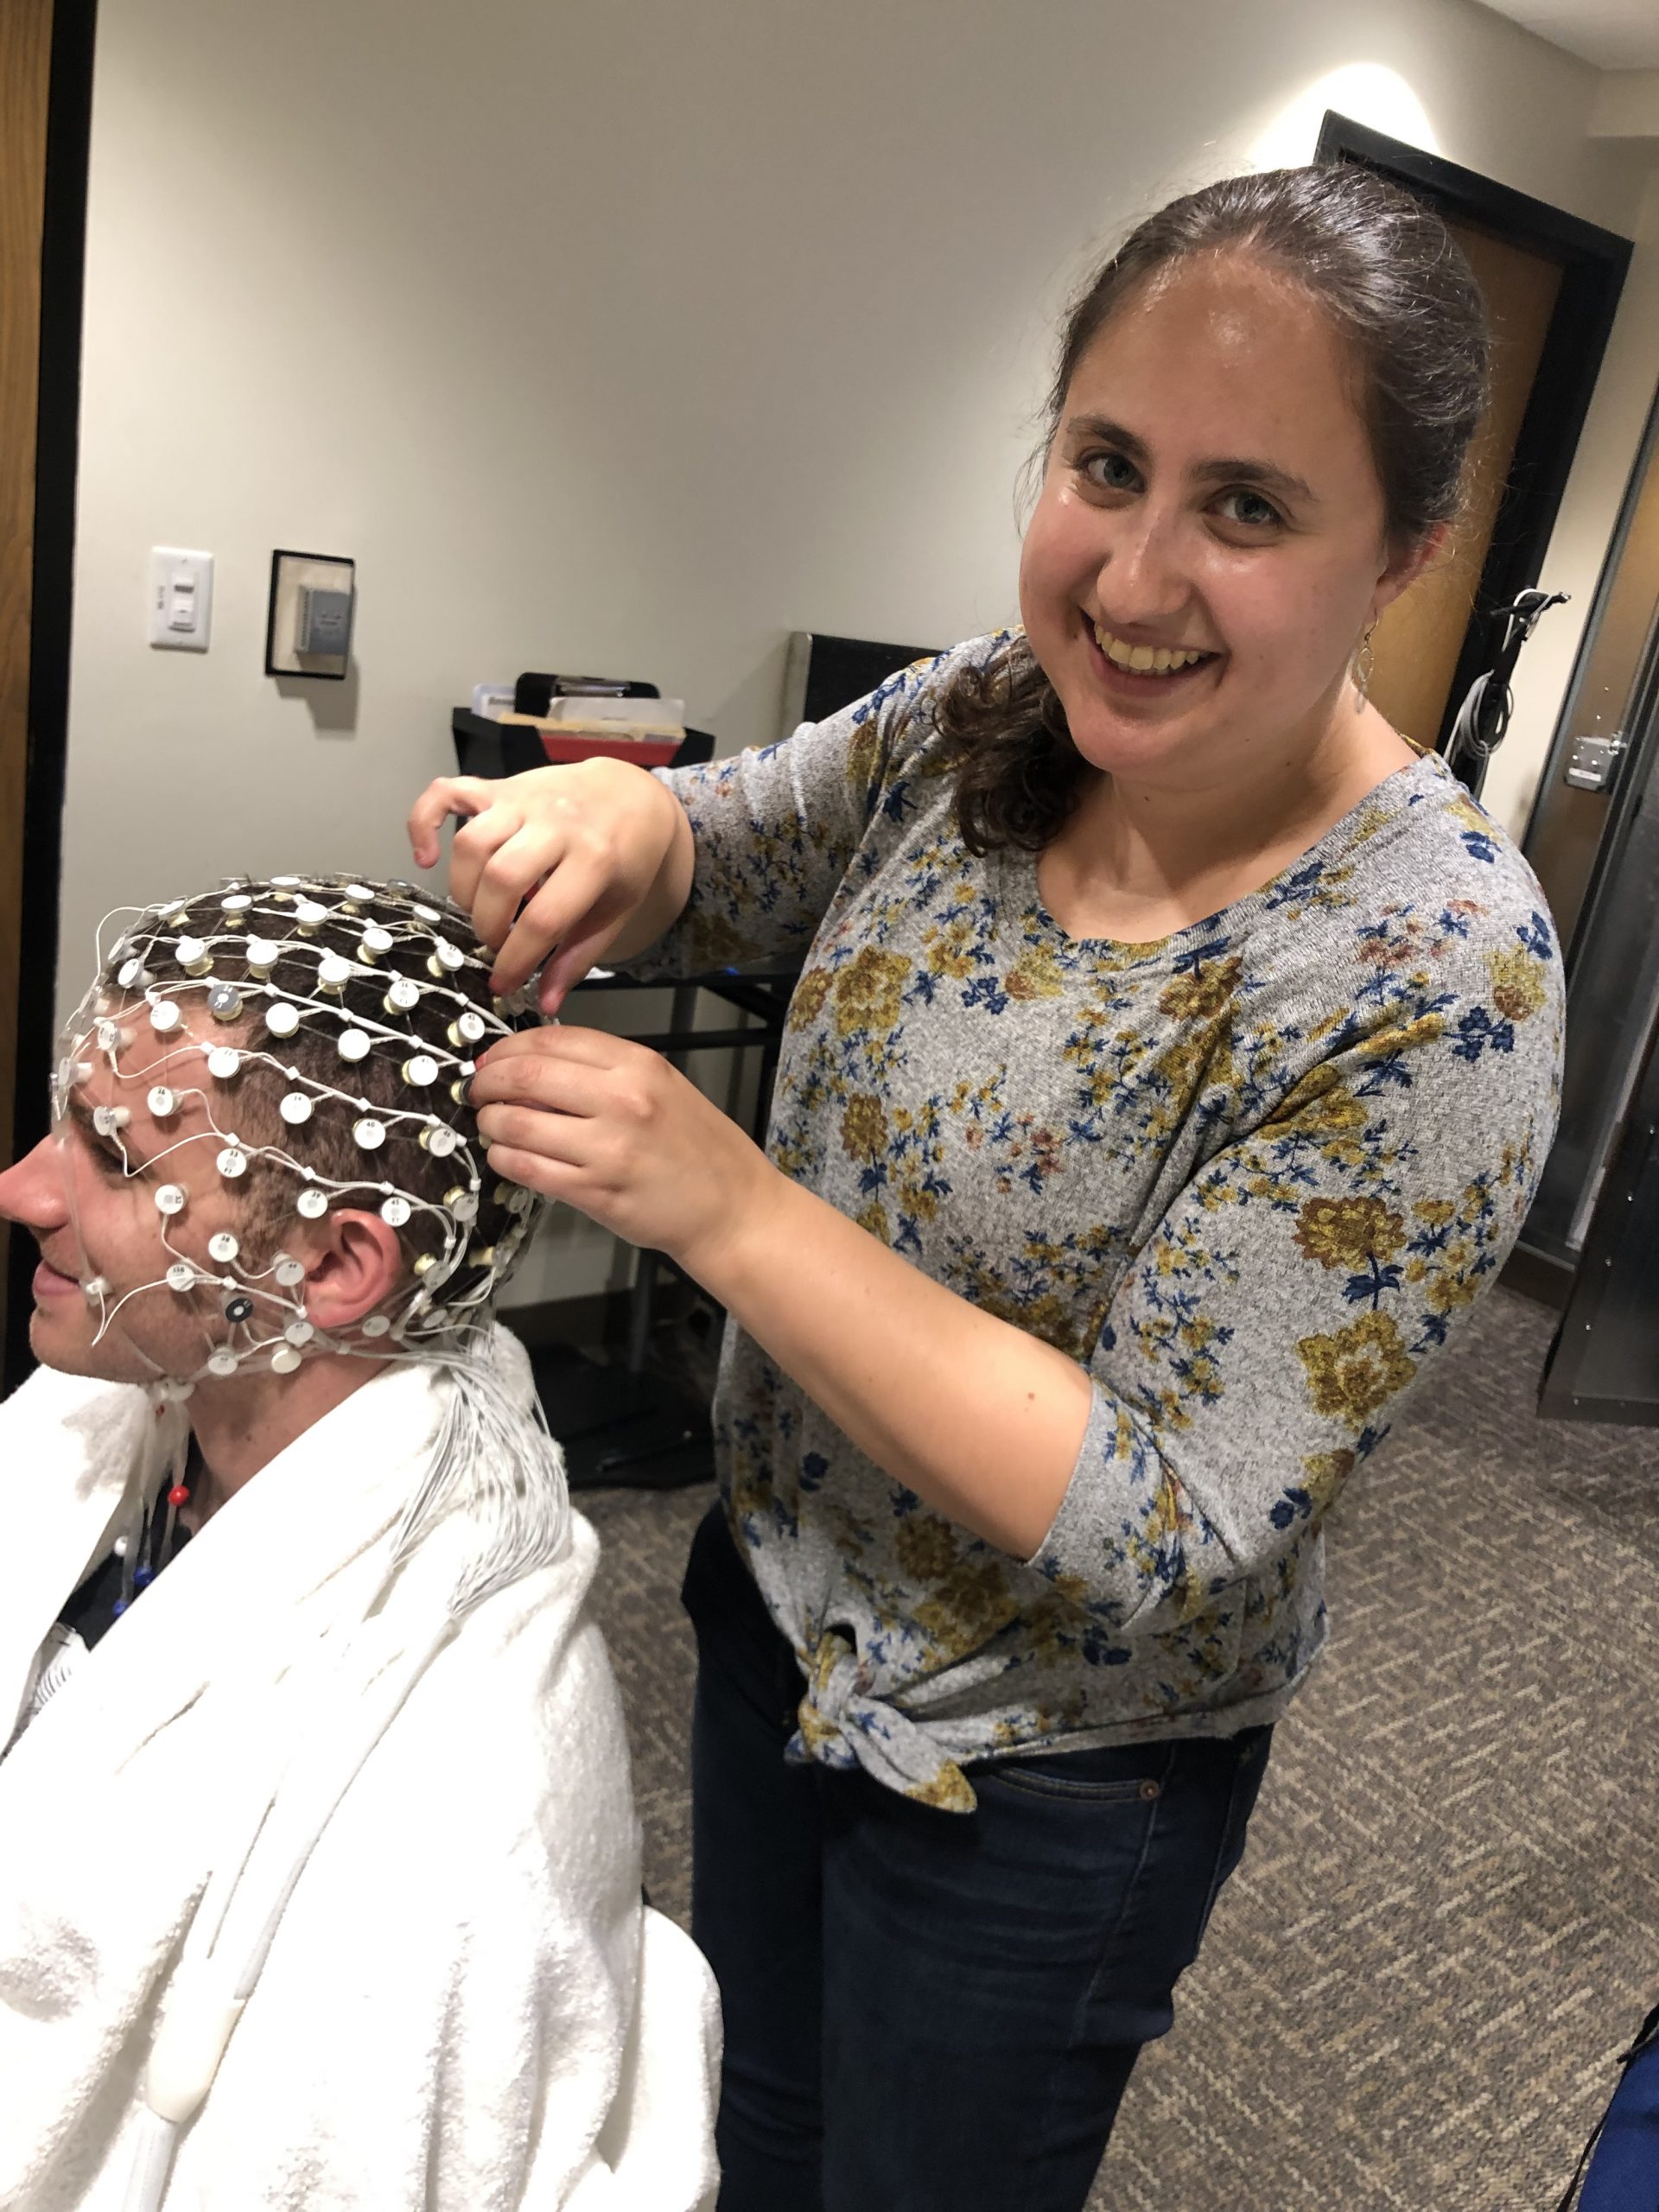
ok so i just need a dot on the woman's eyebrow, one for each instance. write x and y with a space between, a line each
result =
1111 433
1260 475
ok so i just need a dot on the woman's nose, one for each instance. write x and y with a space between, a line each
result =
31 1191
1142 578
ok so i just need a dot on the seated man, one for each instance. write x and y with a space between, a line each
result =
319 1870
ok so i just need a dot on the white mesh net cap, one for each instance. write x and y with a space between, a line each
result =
329 1026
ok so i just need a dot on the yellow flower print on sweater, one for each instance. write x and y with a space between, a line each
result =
869 991
1519 983
1353 1373
1347 1232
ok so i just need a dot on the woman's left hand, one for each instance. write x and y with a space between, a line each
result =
608 1127
983 1421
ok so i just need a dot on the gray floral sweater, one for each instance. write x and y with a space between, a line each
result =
1251 1177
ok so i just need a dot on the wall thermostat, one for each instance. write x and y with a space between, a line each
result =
309 630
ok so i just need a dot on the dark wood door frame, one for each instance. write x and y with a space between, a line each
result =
1594 265
57 427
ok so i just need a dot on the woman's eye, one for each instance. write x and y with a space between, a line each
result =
1248 509
1111 471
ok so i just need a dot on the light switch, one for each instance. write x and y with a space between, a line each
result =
181 598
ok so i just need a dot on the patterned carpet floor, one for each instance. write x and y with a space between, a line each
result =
1447 1923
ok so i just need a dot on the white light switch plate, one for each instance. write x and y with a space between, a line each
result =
180 598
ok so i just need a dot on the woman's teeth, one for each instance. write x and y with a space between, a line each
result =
1145 660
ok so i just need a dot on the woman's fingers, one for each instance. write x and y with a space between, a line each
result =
556 911
444 796
552 864
548 1091
523 1065
580 1104
576 954
550 1178
574 919
512 870
538 1129
606 1125
599 1047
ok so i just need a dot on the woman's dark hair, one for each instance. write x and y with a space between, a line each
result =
1395 286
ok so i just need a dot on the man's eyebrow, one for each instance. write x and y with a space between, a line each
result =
81 1115
1260 475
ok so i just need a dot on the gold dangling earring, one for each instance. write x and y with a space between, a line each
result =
1364 661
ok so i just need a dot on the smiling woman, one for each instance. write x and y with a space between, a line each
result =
1172 1065
1323 326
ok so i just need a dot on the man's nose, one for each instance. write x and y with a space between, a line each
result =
32 1191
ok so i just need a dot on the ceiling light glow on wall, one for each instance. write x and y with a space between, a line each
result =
1366 92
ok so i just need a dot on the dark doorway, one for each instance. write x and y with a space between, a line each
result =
46 83
1552 284
1594 841
1604 1364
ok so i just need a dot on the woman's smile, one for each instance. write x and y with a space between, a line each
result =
1142 673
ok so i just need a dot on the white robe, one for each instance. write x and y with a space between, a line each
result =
465 2006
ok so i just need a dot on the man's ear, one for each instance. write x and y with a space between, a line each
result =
354 1264
1405 568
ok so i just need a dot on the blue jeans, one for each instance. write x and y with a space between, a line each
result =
927 2010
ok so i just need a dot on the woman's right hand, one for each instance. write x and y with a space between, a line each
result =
574 862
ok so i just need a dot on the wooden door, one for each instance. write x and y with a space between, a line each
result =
1420 639
25 75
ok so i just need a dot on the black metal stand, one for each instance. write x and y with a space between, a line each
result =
620 1426
630 1426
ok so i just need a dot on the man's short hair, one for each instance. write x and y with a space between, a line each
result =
343 1017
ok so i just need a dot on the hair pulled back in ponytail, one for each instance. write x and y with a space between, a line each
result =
1396 288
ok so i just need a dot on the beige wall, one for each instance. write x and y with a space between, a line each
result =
631 336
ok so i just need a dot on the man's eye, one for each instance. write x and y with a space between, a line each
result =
1248 509
106 1156
1111 471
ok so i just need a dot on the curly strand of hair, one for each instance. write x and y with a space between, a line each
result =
1018 775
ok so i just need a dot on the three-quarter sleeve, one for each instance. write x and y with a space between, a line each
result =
1301 1282
777 828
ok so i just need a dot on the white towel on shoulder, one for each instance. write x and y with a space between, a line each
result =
466 2005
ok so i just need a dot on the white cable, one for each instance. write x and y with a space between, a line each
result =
152 2162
